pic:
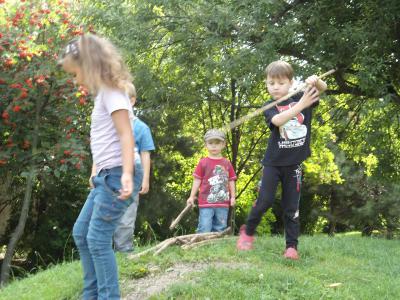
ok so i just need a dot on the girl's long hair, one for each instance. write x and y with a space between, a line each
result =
100 62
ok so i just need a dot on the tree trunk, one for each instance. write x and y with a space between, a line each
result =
234 147
367 230
332 228
6 198
19 230
389 234
5 267
332 217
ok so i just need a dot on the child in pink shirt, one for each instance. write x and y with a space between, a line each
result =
214 178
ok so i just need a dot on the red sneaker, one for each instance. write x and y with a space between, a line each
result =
291 253
245 242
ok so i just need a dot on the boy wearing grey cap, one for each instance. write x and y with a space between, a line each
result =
214 178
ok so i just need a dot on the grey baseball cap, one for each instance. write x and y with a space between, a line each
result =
214 134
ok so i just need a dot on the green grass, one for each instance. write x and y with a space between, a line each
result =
367 268
63 281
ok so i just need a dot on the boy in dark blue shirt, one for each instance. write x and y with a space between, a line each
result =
288 147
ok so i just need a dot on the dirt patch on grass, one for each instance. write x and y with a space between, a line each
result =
158 281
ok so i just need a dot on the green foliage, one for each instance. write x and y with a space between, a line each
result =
197 85
359 202
44 125
57 204
35 92
201 62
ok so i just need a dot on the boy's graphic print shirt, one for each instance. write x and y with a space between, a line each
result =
288 144
294 129
215 175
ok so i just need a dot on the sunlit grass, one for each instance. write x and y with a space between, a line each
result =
343 267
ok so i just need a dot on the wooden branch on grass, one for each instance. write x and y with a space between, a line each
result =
189 239
165 245
144 252
203 242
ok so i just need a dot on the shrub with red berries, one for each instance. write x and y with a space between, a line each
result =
43 115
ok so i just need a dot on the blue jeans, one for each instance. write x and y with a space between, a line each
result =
93 231
212 219
123 236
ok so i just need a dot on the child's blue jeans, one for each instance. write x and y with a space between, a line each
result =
123 236
93 231
212 219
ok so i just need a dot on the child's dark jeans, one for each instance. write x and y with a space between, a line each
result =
290 176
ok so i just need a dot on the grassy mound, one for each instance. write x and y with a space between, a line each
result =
343 267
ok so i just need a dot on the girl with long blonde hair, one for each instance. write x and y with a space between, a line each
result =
96 64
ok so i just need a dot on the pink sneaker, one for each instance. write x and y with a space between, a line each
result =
291 253
245 242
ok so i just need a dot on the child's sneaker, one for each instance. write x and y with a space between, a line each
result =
291 253
245 242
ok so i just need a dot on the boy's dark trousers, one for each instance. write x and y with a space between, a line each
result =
290 176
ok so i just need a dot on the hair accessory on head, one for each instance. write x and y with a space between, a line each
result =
72 48
214 134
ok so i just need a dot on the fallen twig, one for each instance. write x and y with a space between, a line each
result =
189 239
168 243
204 242
144 252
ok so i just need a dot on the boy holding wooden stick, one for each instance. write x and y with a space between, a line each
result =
215 177
288 147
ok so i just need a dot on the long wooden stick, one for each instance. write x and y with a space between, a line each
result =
144 252
179 217
203 242
260 110
231 219
165 246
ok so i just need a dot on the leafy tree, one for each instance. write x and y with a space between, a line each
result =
43 116
200 68
199 64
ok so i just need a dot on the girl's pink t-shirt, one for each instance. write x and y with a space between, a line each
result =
104 139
